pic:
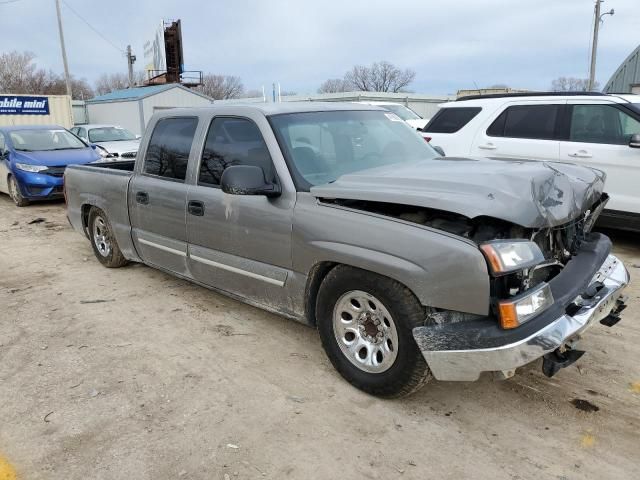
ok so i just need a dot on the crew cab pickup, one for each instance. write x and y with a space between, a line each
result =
411 265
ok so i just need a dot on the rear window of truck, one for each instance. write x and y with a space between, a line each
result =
168 151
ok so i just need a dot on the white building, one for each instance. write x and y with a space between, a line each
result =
133 107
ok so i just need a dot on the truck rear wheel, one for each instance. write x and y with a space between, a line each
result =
103 241
365 323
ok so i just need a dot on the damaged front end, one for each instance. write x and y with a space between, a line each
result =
545 291
550 284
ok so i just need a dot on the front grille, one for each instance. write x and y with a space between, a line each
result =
54 171
128 155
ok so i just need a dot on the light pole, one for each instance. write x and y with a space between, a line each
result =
64 51
594 45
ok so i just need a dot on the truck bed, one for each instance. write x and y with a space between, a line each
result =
105 186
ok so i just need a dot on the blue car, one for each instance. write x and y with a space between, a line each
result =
33 159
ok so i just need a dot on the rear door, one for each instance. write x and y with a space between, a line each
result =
598 136
239 243
527 130
158 194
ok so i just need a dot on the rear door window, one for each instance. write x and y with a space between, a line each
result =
450 120
168 151
233 141
526 121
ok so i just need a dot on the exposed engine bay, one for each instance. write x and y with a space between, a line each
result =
558 244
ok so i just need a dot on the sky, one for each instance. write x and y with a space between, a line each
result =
450 45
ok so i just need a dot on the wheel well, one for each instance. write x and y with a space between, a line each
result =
86 208
316 275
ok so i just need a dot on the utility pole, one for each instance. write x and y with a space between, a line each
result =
130 61
64 51
594 45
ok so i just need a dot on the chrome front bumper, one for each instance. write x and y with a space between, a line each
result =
467 365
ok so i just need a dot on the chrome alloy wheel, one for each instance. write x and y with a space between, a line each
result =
101 237
365 331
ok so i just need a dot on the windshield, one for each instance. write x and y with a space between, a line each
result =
39 140
110 134
405 113
321 146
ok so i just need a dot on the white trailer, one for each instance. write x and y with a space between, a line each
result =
18 109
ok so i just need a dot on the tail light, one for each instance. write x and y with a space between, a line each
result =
426 139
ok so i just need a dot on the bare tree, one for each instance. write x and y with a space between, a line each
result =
334 85
108 82
19 74
221 87
572 84
379 77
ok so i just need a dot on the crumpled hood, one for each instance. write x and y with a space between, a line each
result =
57 158
529 193
120 147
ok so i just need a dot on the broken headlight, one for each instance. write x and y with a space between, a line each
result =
506 256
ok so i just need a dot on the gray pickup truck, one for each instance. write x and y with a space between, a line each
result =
410 265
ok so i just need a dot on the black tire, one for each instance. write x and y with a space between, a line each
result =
409 371
15 194
104 245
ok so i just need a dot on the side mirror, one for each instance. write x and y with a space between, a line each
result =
439 150
635 141
4 154
247 180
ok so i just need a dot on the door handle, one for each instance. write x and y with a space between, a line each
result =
142 197
487 146
580 154
195 207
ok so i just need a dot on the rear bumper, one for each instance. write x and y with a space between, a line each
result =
466 364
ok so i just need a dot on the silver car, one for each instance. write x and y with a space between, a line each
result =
111 141
410 265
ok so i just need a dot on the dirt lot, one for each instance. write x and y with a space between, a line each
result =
133 374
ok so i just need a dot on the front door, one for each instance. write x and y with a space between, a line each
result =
599 135
238 243
158 195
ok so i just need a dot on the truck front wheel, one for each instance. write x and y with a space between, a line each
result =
365 323
103 241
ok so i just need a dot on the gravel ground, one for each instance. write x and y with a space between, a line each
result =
133 374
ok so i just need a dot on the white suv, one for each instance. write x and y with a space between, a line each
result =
591 129
405 113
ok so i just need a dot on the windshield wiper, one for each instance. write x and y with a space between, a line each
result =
62 148
24 150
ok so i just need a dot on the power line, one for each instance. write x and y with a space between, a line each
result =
92 28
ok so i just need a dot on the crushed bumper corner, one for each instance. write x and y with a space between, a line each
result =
469 364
